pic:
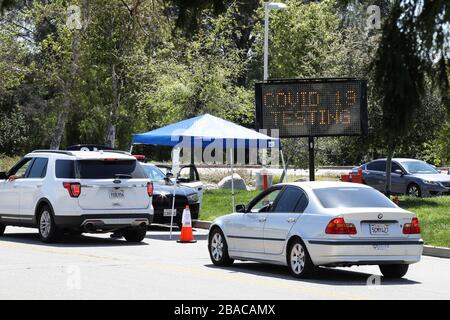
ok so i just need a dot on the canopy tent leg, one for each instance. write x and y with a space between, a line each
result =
175 154
285 175
232 177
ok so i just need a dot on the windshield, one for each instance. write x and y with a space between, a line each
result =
154 173
419 167
101 169
352 197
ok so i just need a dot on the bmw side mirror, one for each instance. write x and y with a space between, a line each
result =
240 208
400 172
3 176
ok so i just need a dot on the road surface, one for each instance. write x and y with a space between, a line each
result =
97 267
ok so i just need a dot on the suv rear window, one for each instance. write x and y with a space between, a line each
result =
65 169
101 169
352 197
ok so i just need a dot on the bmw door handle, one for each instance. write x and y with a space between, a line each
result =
291 220
262 219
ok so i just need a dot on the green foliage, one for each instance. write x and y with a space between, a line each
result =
13 131
304 40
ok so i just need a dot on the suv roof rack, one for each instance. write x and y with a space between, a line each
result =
53 151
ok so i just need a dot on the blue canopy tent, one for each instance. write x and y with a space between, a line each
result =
204 130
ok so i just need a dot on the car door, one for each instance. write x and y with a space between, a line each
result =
289 205
30 186
189 177
398 181
376 174
9 192
245 232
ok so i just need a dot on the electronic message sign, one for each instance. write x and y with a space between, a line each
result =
312 107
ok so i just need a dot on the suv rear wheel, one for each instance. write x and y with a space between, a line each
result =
2 229
135 235
48 231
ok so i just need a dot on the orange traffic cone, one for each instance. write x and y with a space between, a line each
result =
186 235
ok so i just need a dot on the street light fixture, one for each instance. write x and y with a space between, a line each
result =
267 7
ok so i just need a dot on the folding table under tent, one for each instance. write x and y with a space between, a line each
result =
204 130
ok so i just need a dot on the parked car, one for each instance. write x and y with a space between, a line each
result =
77 191
163 195
408 176
308 224
185 179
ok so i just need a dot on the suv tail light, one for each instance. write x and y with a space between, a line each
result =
339 226
412 228
74 188
150 189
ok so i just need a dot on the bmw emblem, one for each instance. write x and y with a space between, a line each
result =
380 216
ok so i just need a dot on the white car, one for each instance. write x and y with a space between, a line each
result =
309 224
77 191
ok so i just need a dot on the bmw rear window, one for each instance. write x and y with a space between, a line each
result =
109 169
350 197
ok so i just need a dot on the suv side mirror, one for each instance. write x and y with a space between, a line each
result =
400 172
240 208
3 176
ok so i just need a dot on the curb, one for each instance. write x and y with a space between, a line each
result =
439 252
431 251
201 224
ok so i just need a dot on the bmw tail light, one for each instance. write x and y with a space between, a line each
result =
74 188
412 228
339 226
150 189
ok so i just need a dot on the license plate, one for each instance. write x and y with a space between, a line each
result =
379 228
117 195
381 246
168 212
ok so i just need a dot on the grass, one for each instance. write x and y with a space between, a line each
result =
434 217
217 202
433 213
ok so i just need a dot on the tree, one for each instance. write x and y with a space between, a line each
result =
399 68
67 80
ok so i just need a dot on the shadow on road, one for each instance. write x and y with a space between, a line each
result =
69 241
326 276
166 235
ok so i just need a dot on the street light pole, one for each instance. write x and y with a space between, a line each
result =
267 7
266 40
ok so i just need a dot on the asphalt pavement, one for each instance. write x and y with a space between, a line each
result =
97 267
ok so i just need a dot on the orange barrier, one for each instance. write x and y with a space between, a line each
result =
351 177
186 235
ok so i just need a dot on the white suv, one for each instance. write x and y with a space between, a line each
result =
77 191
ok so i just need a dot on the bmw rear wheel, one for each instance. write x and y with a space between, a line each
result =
48 231
218 249
414 191
394 271
299 261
